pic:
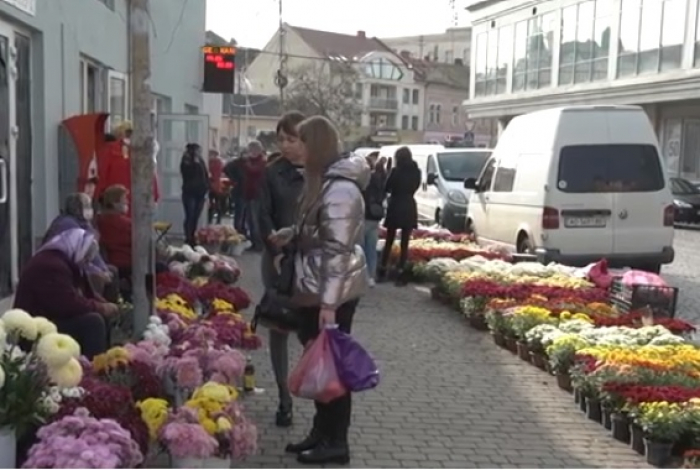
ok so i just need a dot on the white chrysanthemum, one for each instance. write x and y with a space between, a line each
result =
155 320
67 376
44 326
21 323
56 349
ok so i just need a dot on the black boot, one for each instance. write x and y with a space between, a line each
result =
307 444
284 417
326 452
381 274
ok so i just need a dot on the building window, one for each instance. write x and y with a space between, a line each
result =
532 63
406 96
92 87
449 57
505 58
681 148
455 115
404 122
431 115
585 42
118 98
480 67
384 70
416 96
651 36
438 110
414 123
436 53
494 54
359 91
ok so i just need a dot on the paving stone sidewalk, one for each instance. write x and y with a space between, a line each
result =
448 399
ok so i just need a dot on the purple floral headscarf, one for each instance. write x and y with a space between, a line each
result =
78 245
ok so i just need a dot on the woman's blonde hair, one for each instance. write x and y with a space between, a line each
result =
322 142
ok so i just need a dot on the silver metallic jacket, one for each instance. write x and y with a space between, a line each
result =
330 267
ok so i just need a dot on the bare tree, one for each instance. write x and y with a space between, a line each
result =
327 88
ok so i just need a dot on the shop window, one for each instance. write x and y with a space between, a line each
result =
585 42
651 36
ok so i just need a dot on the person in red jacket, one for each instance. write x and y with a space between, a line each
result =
54 285
217 190
114 162
253 176
114 226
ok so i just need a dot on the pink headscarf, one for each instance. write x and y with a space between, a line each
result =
79 245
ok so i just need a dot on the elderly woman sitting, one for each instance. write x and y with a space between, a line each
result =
54 285
78 213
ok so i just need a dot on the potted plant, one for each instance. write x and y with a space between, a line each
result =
524 319
81 441
561 354
534 338
663 424
26 377
497 325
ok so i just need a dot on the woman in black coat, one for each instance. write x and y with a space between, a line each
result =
402 213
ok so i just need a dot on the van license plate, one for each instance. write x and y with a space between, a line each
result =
584 222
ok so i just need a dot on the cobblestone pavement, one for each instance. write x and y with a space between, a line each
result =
684 273
448 398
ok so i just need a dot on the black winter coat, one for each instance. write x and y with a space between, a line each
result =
374 195
281 187
402 184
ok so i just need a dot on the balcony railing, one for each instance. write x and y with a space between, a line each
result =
384 103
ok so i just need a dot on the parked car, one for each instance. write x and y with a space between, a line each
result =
577 184
686 201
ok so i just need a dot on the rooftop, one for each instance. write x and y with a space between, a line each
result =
343 46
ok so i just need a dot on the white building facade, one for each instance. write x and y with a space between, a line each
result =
531 55
452 46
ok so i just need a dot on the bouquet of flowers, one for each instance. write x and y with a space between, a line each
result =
183 436
117 366
26 378
199 365
216 290
168 283
81 441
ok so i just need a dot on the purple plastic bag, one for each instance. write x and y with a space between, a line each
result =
356 368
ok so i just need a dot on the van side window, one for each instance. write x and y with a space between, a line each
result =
487 176
505 177
431 167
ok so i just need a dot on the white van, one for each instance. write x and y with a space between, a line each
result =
577 184
442 196
420 152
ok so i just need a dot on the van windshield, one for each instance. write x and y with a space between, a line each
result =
458 166
622 168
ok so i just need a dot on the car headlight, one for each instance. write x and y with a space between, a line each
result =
457 197
681 204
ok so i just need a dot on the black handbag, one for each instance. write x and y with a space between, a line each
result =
275 309
375 211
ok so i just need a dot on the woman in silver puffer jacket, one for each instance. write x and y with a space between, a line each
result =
330 269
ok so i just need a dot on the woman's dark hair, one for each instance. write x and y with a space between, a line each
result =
192 147
289 122
403 156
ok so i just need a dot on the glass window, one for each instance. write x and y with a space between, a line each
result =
455 115
567 49
416 95
505 57
630 17
406 96
414 123
438 109
487 176
601 38
481 64
430 166
609 169
117 100
697 40
505 177
672 34
458 166
404 122
492 62
584 42
519 56
690 152
683 186
650 38
545 56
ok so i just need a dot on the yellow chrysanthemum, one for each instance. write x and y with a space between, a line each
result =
216 391
113 358
56 349
223 424
44 326
209 425
19 322
68 376
154 412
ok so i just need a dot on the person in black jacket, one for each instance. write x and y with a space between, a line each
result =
282 183
402 213
374 213
195 186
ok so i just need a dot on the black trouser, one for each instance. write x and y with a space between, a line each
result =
193 204
89 330
389 242
332 420
217 207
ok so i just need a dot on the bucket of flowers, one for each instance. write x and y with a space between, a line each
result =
26 378
234 243
663 424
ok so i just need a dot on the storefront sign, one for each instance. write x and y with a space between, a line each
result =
27 6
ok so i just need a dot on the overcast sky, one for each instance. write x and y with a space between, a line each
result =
253 22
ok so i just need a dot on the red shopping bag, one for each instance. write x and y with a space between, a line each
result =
315 376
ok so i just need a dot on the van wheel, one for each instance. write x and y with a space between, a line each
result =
524 245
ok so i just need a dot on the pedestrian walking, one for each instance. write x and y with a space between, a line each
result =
281 188
402 212
195 186
217 193
234 172
254 172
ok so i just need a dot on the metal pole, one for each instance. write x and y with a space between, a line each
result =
239 117
142 165
282 72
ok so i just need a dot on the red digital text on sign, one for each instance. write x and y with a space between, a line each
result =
221 61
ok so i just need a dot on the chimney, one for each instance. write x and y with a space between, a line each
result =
361 34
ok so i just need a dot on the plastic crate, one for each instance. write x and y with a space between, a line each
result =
661 300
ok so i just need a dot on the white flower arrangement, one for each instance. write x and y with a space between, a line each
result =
158 332
54 396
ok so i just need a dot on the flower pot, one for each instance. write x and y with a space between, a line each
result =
658 453
620 427
478 322
564 381
8 448
512 345
498 339
593 411
582 400
194 462
637 438
607 418
577 396
538 360
523 351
